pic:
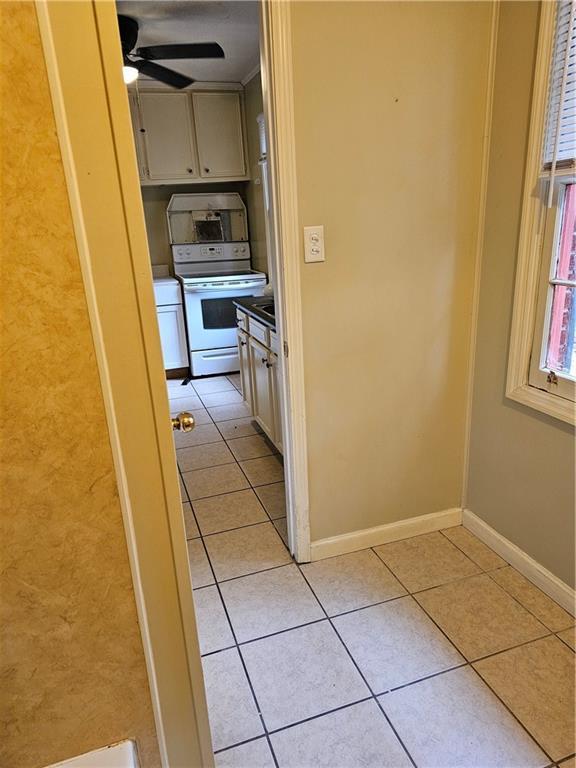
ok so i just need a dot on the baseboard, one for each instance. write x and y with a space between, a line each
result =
382 534
536 573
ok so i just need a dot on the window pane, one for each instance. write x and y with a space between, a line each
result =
561 352
566 262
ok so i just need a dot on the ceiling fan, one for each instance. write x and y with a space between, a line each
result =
142 60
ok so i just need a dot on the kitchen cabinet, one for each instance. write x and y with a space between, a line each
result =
244 359
173 336
263 400
218 121
188 137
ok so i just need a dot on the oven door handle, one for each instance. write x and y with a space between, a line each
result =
234 287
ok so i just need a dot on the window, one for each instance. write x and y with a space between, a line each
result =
542 364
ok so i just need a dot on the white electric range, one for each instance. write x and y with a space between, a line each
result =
209 237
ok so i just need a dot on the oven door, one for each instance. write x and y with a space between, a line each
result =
211 315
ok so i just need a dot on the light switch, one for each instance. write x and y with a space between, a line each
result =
314 244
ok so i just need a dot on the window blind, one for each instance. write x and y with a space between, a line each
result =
560 132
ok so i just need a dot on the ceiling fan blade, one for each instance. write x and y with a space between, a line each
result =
181 51
164 75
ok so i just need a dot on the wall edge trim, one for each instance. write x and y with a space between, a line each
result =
554 587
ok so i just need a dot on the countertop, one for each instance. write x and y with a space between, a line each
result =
252 306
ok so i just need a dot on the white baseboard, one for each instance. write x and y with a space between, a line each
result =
382 534
536 573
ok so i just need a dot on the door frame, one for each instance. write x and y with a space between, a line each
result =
97 145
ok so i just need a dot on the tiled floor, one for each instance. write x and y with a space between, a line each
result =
428 652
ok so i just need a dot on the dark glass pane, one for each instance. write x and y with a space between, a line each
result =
218 313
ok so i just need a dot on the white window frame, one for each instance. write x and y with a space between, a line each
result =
535 254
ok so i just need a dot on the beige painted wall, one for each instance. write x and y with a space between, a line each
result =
73 676
521 462
254 189
389 149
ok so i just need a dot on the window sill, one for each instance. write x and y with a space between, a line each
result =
545 402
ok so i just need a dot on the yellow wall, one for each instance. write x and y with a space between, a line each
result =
389 110
521 462
73 676
254 188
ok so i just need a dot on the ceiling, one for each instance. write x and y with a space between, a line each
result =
233 23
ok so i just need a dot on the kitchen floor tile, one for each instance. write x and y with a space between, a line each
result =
177 388
480 617
426 561
214 631
189 403
269 602
254 754
570 763
455 721
355 736
239 428
231 708
246 550
212 481
533 599
301 673
229 397
228 412
568 636
268 469
236 380
231 510
200 435
476 550
281 526
250 447
536 682
200 572
192 531
214 384
352 581
395 643
273 497
183 491
203 456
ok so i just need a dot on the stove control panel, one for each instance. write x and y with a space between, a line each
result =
195 252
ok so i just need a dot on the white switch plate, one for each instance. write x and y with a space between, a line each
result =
314 244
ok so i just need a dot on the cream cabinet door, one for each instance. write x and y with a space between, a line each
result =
262 387
168 135
218 120
173 336
244 358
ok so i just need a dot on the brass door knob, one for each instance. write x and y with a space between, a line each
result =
184 421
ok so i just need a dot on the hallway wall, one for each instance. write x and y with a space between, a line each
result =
389 107
73 676
521 477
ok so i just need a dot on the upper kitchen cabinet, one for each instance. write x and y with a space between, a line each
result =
189 137
218 119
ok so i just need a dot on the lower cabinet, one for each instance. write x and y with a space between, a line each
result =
173 336
244 358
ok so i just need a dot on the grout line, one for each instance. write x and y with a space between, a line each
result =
252 573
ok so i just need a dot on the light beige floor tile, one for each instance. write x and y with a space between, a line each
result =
236 380
454 721
250 447
536 681
230 397
183 491
212 481
192 531
395 643
301 673
227 412
189 403
355 736
426 561
281 526
268 469
200 571
214 631
200 435
202 456
214 384
239 428
175 386
570 763
269 602
533 599
274 499
351 581
231 708
246 550
254 754
231 510
480 617
568 636
476 550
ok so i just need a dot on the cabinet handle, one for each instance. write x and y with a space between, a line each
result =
242 343
190 170
266 363
206 170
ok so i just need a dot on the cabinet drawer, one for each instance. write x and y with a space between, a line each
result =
242 320
260 332
274 342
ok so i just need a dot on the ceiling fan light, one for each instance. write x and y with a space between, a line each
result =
130 74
